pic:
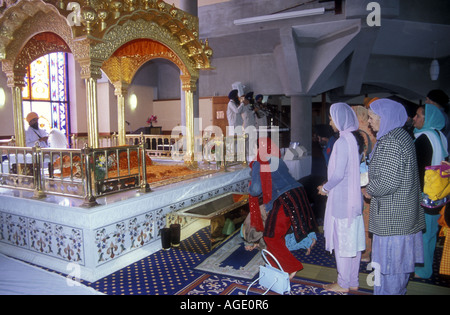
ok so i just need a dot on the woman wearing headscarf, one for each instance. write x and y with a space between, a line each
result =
344 224
431 148
285 201
396 217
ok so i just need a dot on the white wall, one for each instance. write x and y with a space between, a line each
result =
169 113
77 98
107 108
138 117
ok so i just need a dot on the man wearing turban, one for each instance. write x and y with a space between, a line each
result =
35 134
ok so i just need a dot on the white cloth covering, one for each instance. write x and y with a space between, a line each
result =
19 278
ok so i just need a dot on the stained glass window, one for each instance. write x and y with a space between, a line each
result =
46 93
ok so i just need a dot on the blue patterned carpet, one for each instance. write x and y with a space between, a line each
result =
320 257
172 273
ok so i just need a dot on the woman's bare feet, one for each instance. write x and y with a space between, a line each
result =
308 251
334 287
292 275
366 257
251 247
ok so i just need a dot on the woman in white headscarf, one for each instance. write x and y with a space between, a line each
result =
344 224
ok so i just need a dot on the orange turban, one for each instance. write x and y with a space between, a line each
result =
368 101
31 116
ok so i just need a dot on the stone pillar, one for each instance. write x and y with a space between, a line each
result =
191 7
301 120
16 83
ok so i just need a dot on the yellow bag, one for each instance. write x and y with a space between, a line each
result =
437 184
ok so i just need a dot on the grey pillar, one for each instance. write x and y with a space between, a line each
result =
301 120
191 7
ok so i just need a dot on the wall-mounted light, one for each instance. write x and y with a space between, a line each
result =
133 101
2 97
434 70
434 67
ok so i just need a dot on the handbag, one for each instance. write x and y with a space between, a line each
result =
436 190
364 172
272 278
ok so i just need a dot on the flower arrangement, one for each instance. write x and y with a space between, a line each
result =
100 167
152 119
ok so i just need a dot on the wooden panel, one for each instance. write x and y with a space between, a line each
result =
219 113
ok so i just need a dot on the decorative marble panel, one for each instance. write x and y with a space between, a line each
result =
55 240
122 237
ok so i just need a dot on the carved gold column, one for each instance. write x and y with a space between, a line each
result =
121 90
92 112
16 82
90 72
189 86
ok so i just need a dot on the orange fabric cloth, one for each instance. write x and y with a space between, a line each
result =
445 232
141 47
155 173
445 261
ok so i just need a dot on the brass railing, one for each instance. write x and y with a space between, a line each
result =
79 142
8 142
91 173
18 168
226 151
161 146
82 173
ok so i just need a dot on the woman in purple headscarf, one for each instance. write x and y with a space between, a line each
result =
344 225
396 217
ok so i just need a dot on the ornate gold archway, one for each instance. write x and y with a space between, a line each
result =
117 36
121 67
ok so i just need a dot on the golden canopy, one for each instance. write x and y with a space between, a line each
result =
117 36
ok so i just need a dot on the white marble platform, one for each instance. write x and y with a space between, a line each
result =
56 232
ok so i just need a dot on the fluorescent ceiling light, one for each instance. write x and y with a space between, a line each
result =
279 16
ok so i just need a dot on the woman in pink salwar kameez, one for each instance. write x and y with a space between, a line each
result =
344 224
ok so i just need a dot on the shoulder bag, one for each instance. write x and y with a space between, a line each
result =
272 278
436 190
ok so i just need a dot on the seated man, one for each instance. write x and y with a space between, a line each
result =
35 134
